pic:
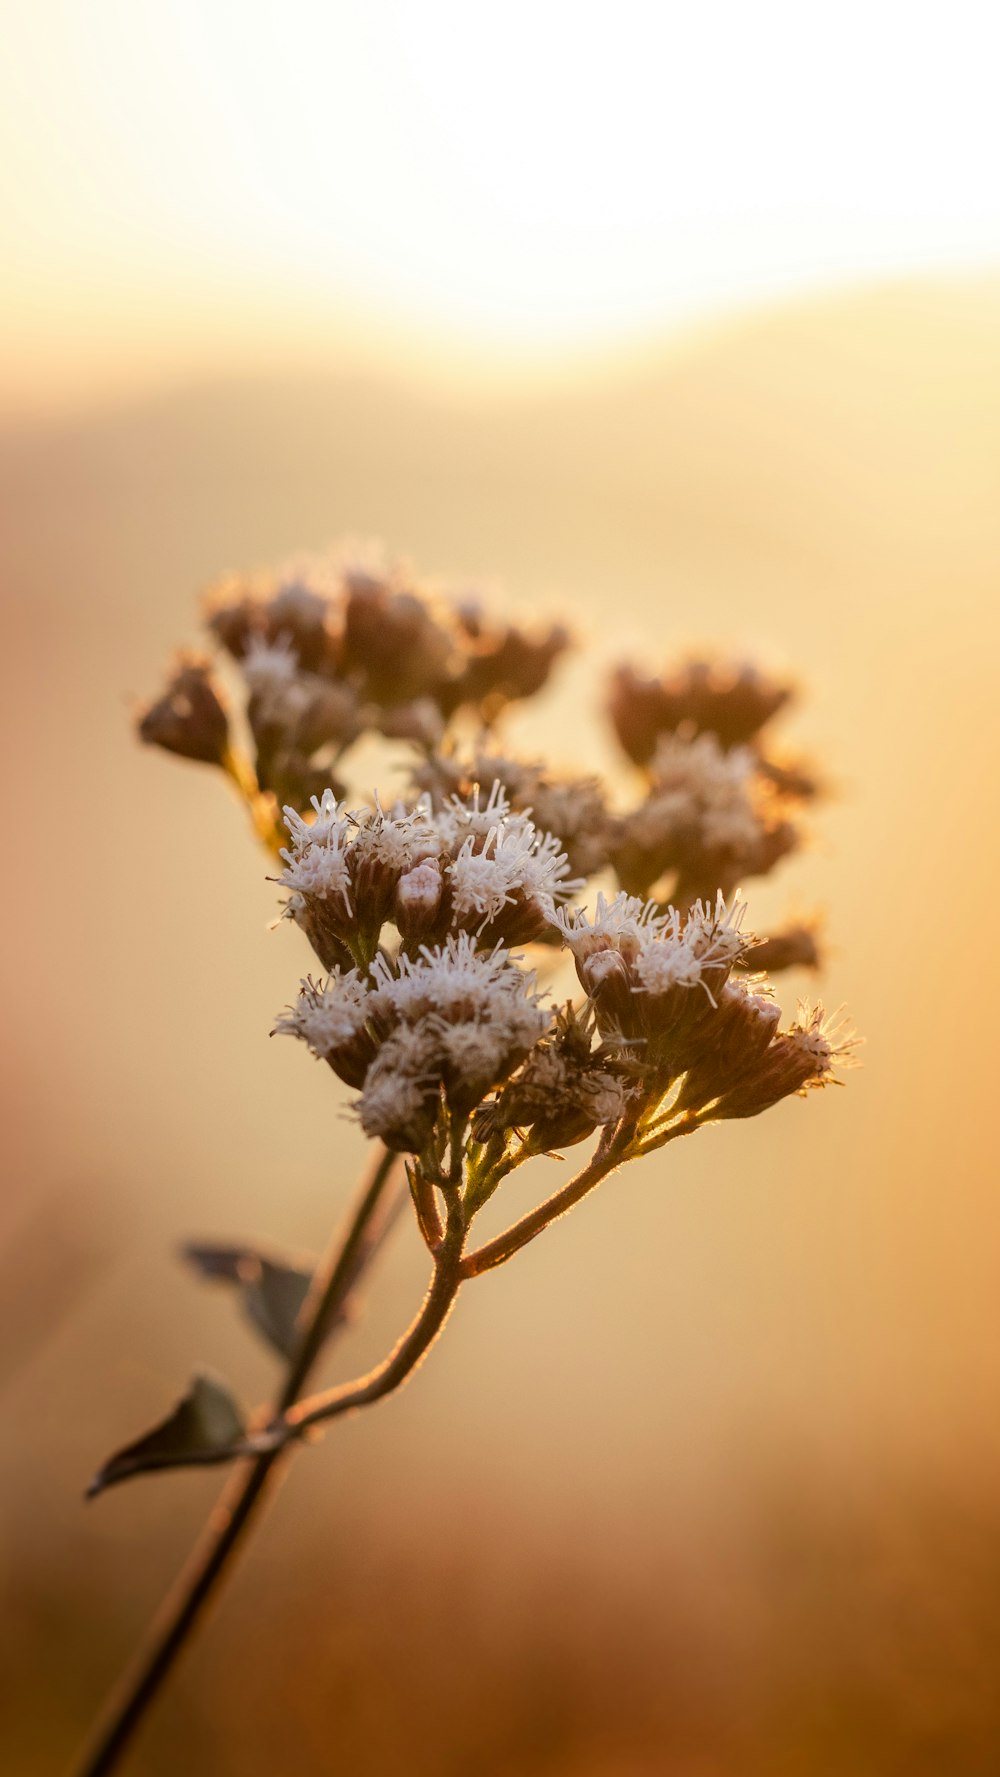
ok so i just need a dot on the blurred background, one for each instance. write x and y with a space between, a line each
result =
686 326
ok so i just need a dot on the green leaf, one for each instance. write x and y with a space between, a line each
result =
272 1288
206 1426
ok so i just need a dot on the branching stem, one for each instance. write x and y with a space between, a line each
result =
197 1584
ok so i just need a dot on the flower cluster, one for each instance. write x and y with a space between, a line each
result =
732 701
428 1013
709 821
719 807
332 647
703 1040
573 808
470 865
422 1034
418 909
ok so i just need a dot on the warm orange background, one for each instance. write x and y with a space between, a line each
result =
706 1482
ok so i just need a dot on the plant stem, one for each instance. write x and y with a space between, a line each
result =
497 1251
183 1608
447 1279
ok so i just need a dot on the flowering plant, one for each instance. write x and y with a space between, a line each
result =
432 914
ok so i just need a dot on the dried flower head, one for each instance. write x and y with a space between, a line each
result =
190 718
731 700
708 821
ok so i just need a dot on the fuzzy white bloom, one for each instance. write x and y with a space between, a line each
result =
625 922
697 783
328 1016
464 818
542 863
454 982
826 1039
713 932
690 947
394 1104
317 864
515 862
397 840
270 666
478 1049
330 820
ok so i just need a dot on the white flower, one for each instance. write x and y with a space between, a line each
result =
328 1016
451 980
478 1051
697 783
316 866
396 840
516 861
463 818
330 820
624 923
713 932
688 948
396 1103
270 667
825 1039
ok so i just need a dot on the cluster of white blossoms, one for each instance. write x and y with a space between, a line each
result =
469 866
662 984
427 1011
447 1026
710 818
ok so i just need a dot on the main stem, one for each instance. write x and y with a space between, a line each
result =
183 1608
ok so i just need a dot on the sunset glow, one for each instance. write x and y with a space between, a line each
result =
192 188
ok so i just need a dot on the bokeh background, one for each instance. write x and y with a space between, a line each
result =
687 327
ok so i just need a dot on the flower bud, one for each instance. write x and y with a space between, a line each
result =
189 719
797 1060
794 948
729 1045
399 1103
732 702
418 902
332 1019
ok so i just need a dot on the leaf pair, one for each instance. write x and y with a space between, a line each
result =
207 1425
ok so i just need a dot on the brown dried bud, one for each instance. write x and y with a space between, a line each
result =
729 1046
231 614
189 719
295 611
420 722
733 702
392 642
504 666
797 1060
794 948
563 1092
790 777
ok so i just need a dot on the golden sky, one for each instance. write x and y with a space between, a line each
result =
210 187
